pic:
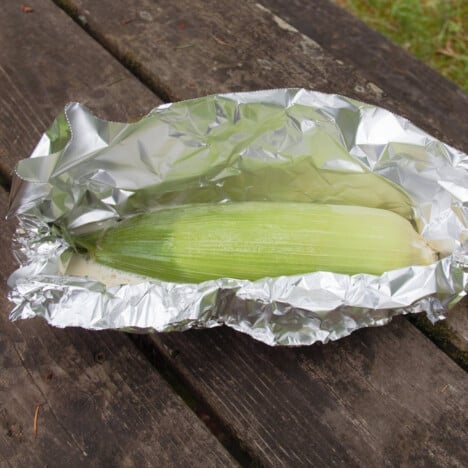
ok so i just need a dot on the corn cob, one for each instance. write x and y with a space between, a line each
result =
251 240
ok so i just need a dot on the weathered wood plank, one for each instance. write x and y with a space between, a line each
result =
102 403
401 76
184 49
458 324
327 399
381 397
450 334
46 62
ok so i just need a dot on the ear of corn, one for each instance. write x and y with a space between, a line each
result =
251 240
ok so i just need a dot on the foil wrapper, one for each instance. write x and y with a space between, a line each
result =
87 173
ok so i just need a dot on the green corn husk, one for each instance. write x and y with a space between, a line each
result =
251 240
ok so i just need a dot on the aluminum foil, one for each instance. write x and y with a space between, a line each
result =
287 144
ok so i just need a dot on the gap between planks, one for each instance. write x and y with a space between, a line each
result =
151 82
192 398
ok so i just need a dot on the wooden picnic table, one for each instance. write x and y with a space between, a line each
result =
388 396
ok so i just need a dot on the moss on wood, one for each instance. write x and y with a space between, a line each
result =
443 336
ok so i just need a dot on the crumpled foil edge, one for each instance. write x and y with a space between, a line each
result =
296 310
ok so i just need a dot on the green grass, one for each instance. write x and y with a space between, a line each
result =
432 30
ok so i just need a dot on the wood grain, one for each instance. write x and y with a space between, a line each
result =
458 323
101 402
183 49
381 397
450 334
46 62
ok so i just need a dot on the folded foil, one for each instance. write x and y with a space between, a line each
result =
87 173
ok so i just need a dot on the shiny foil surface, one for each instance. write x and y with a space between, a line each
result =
85 174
